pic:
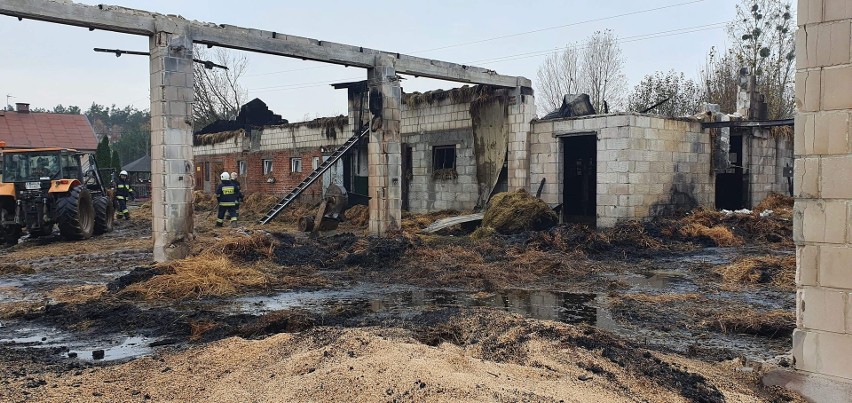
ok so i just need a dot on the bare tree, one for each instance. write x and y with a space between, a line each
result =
764 41
720 77
218 93
602 69
595 68
557 76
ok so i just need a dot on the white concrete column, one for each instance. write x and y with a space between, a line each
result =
171 143
521 112
384 150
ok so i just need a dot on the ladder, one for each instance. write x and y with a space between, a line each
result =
334 157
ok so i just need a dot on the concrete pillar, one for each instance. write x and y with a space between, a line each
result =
384 150
521 112
822 342
171 143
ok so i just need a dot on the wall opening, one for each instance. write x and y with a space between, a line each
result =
407 176
732 185
579 181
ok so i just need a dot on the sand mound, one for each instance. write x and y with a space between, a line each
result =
516 212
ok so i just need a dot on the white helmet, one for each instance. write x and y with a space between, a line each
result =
233 175
122 173
225 176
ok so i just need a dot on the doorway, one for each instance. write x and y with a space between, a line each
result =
579 182
407 176
732 185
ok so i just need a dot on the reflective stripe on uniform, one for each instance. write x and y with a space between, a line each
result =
233 218
119 197
228 190
227 204
219 220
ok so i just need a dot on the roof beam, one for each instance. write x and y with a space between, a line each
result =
747 123
138 22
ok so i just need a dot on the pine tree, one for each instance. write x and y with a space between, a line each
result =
103 154
115 162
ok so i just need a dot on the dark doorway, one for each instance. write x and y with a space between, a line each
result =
579 191
732 185
407 175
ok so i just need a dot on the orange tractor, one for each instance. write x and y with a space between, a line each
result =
46 187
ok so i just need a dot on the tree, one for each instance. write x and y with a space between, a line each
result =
684 95
103 155
720 79
595 68
218 93
115 161
557 76
602 68
764 42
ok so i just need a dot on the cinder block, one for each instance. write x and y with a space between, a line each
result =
835 223
836 10
835 267
823 309
812 213
807 262
825 353
807 179
836 177
808 90
836 82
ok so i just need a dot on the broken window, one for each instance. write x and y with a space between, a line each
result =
241 168
444 162
295 164
267 167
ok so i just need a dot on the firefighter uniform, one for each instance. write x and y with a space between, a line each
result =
123 192
228 195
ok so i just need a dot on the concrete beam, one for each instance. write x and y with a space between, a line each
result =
126 20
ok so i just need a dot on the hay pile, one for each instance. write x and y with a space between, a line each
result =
257 203
719 235
203 201
516 212
413 223
199 276
358 215
231 265
777 323
780 271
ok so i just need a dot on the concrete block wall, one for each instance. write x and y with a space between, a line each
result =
442 123
822 342
646 165
427 193
768 157
440 116
521 114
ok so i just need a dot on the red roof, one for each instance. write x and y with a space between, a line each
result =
35 130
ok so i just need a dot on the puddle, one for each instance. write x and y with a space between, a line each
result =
714 256
403 302
116 347
659 281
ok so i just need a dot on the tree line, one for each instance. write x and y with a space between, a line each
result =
763 38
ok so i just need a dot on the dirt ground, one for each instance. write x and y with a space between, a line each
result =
691 308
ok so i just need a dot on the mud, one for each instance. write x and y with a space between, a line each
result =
627 293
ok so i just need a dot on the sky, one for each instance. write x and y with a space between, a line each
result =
47 64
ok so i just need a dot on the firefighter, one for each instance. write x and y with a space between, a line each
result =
123 193
228 195
237 184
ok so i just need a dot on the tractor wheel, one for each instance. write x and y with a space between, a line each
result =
104 214
11 234
75 213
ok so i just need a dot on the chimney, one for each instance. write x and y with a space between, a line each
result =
22 107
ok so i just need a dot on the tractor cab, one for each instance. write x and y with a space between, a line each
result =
46 186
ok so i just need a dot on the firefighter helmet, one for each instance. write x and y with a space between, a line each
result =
225 176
